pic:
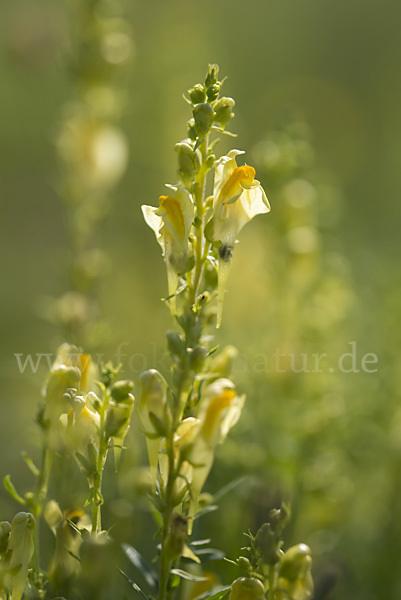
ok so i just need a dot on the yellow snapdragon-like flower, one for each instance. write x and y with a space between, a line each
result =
172 223
237 198
219 410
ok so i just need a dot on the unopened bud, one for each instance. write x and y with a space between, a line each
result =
5 529
188 159
121 390
197 94
203 115
175 343
245 588
295 562
213 91
212 74
224 111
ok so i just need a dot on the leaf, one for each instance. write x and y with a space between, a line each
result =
228 488
74 526
133 584
12 491
142 565
219 595
187 576
30 464
206 554
200 542
206 510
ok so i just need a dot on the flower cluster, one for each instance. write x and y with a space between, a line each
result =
191 229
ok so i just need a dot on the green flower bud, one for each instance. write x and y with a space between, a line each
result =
213 92
212 74
203 115
295 562
176 538
245 588
244 563
188 159
197 357
197 94
224 111
21 545
118 418
210 161
175 343
191 133
153 410
121 390
5 529
294 576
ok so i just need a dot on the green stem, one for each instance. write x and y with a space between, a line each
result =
39 500
200 191
97 499
165 560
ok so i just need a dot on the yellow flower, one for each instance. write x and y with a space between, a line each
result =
219 410
172 223
237 198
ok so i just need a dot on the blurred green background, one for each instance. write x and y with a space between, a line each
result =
329 441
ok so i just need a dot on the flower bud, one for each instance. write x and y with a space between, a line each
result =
121 390
197 94
295 562
21 545
176 539
154 414
213 91
245 588
212 74
191 130
175 343
5 529
224 111
117 423
203 115
197 357
188 159
244 563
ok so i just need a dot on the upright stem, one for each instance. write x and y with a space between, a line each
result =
165 557
97 498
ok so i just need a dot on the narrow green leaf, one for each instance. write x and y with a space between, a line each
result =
187 576
219 595
206 554
12 491
142 565
30 464
228 488
206 510
133 584
200 542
